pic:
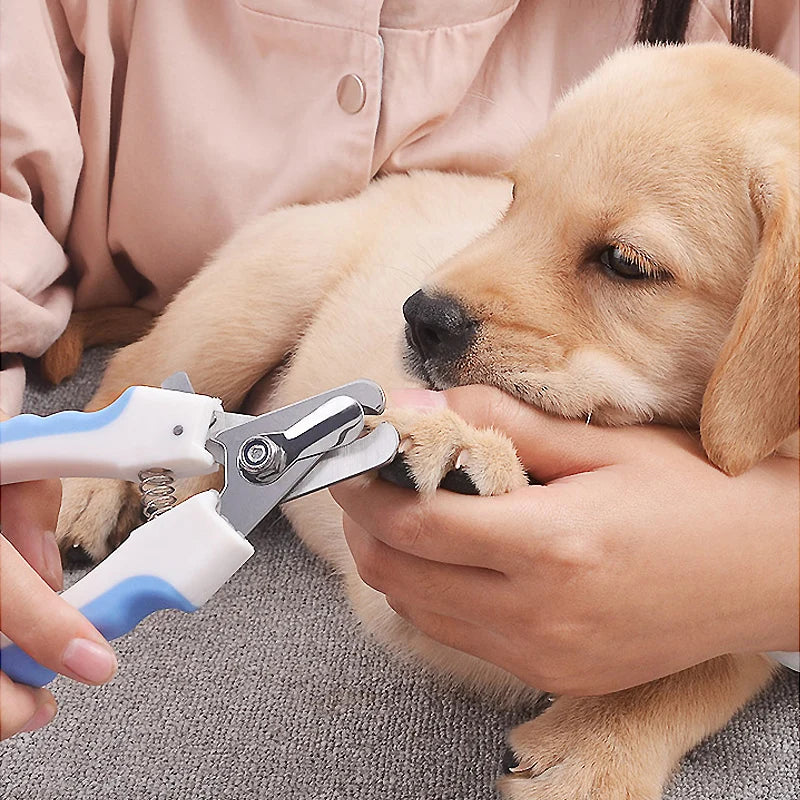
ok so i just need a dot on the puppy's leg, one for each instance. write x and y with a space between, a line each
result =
625 746
115 326
247 308
92 505
233 323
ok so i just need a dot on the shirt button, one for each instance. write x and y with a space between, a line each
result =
351 94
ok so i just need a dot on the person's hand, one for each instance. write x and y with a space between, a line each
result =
32 614
636 559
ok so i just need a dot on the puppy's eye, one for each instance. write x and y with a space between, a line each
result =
622 265
513 191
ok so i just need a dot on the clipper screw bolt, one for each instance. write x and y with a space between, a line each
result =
260 460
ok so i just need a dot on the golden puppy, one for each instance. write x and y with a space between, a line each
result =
641 264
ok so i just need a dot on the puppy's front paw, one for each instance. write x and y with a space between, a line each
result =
574 751
96 516
436 444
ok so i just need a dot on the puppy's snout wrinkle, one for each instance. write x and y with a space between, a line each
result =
439 327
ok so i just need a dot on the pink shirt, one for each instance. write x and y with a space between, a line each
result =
136 135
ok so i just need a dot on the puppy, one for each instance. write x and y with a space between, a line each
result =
638 264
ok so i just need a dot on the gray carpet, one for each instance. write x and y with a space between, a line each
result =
273 691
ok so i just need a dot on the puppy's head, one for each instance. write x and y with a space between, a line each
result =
647 266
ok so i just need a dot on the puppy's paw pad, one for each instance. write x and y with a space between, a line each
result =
436 443
96 515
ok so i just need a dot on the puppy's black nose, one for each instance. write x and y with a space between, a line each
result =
439 326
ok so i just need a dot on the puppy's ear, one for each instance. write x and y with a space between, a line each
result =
751 402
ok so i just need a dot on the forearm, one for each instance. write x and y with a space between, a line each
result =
41 158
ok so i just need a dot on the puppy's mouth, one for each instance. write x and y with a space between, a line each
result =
418 367
434 373
547 383
440 373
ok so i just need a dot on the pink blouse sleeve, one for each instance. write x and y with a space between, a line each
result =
776 30
40 162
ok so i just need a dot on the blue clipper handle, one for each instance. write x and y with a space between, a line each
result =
192 549
31 426
114 613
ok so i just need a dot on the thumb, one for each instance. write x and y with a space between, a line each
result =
549 447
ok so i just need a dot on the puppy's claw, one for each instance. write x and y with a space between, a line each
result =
76 557
510 762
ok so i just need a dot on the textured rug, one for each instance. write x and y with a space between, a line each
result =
272 690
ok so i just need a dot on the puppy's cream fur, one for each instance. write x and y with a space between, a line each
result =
686 157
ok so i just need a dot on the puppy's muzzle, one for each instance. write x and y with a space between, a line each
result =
439 328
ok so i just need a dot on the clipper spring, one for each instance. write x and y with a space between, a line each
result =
157 486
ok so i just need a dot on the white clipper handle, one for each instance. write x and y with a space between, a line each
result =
177 560
143 428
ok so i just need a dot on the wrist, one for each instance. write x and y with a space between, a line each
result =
752 553
786 635
775 575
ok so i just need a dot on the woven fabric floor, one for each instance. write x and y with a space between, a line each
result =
272 690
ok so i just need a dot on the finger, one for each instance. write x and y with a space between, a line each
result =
449 528
466 637
471 594
28 517
549 447
478 641
47 628
23 708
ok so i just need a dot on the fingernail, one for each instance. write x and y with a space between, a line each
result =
51 559
422 399
90 661
43 715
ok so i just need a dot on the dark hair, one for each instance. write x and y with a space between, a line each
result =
665 21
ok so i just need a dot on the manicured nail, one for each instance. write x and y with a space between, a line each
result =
422 399
90 661
43 715
51 559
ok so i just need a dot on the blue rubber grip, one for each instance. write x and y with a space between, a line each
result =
29 426
113 613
